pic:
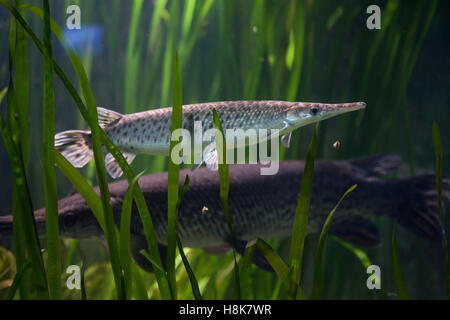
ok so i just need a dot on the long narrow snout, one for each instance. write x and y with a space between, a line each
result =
340 108
304 113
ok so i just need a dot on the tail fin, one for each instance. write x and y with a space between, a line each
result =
75 146
419 211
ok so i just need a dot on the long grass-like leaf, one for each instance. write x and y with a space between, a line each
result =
95 133
439 164
26 211
156 18
188 16
132 60
124 237
3 94
224 174
318 272
301 213
173 177
154 263
48 162
280 267
248 255
22 83
140 200
192 279
140 291
18 278
399 277
191 275
247 44
424 30
363 258
13 104
82 186
91 114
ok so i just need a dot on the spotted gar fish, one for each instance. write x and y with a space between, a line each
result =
264 206
148 132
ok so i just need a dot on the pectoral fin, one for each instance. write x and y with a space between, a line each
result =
113 167
286 139
211 158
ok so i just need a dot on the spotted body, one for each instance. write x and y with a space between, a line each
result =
148 132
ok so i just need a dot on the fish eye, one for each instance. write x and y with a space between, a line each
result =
314 110
70 219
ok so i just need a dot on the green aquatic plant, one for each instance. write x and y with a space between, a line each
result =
192 278
224 174
280 268
173 178
91 119
301 216
18 98
233 50
24 213
82 186
48 160
124 236
318 272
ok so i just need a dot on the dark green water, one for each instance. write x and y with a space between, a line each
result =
281 50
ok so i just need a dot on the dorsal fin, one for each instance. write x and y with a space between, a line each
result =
379 165
106 116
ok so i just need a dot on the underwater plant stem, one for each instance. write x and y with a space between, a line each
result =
301 215
48 160
173 178
224 175
139 198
